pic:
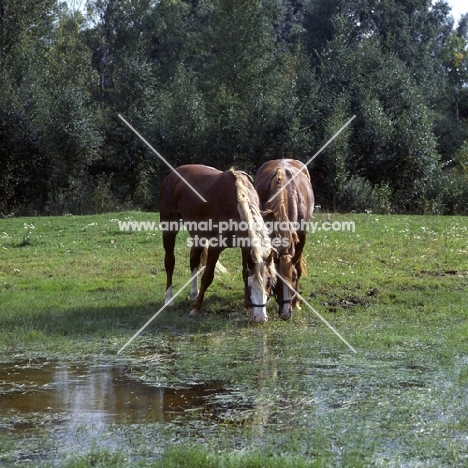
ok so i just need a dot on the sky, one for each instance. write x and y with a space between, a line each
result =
459 7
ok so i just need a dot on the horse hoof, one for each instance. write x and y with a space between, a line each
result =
193 313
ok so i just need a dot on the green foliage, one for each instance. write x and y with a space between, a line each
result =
451 120
228 83
391 141
447 190
357 194
23 26
49 119
249 84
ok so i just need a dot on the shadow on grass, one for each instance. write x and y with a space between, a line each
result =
99 322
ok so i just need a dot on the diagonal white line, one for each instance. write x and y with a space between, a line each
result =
160 310
316 313
160 157
314 156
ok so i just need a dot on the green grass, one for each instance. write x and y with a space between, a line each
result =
194 457
75 289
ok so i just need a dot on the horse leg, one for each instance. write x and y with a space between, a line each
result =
195 255
169 238
285 310
206 280
299 263
296 303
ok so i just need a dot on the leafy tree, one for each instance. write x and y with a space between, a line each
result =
70 137
392 142
450 130
224 82
47 117
249 82
120 40
22 26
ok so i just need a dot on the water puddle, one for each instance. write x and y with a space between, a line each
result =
93 396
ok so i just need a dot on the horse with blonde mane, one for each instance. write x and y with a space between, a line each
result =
230 217
287 203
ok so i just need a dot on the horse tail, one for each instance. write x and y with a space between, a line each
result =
203 257
280 183
280 208
220 268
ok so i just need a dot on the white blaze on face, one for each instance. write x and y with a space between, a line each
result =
258 296
168 295
194 285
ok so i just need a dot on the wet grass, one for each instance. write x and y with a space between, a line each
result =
75 289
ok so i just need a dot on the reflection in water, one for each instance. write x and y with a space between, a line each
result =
105 393
94 395
267 379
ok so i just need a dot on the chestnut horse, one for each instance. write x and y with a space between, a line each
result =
231 204
287 215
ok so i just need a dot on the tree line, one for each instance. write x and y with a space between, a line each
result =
232 83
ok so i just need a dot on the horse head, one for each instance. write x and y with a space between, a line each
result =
260 281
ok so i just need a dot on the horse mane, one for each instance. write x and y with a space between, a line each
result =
260 242
278 207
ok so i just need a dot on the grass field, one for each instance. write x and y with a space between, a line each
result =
73 291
